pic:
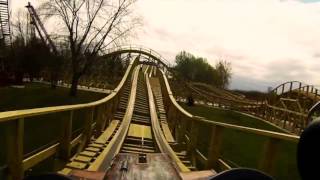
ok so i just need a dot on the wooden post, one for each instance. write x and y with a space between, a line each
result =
113 106
87 132
167 107
193 142
214 147
99 121
268 161
173 118
173 125
66 137
14 140
290 86
103 116
170 113
300 84
116 100
181 130
109 113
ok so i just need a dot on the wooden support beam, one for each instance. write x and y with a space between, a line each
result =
109 113
173 122
14 140
181 127
104 117
66 137
191 147
268 161
99 120
39 157
214 147
291 86
87 132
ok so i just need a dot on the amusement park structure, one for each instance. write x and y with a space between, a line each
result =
5 35
140 131
138 125
287 106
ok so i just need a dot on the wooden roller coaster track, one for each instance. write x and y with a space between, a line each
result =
286 106
139 120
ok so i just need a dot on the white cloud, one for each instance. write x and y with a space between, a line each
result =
267 41
255 35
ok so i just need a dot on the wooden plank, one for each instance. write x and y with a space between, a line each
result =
167 132
84 159
92 149
65 171
201 157
76 140
103 138
96 145
76 165
140 131
88 153
223 166
137 149
40 156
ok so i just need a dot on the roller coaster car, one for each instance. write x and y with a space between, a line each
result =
307 158
234 174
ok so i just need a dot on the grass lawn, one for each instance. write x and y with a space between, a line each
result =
44 129
243 149
37 95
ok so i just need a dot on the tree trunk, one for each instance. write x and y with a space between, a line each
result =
74 84
54 80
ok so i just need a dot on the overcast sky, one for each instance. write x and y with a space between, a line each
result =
266 41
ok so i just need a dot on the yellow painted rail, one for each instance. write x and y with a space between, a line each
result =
97 116
104 160
157 132
187 130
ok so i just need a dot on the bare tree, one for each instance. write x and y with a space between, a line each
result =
91 27
223 69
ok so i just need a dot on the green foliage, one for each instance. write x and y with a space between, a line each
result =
26 58
197 69
36 95
31 58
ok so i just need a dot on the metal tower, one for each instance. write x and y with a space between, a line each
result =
5 35
40 28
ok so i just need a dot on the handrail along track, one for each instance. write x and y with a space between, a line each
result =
184 126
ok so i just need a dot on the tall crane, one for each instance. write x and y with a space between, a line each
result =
35 20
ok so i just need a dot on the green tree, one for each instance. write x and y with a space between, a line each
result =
223 69
191 68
